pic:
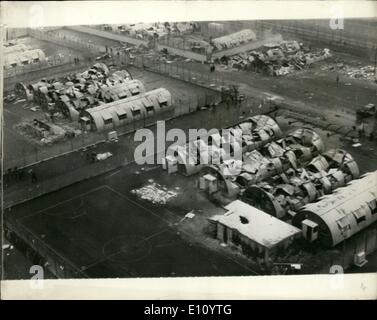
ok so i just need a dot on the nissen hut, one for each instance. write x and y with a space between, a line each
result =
340 215
157 102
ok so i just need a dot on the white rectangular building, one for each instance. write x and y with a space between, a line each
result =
255 232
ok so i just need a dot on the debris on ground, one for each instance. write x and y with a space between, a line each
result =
10 97
190 215
352 71
155 193
104 156
45 132
276 59
356 145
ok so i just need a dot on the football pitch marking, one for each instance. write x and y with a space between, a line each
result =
188 234
124 197
62 202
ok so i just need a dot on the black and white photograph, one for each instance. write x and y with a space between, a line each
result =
166 149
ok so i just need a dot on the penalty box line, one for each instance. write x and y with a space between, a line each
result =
63 202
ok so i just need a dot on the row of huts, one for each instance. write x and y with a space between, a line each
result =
281 189
99 100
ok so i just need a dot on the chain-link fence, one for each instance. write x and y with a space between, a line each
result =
182 106
39 252
57 59
52 62
185 104
320 31
119 30
72 160
185 43
115 35
179 70
70 41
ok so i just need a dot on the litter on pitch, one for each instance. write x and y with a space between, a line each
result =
155 193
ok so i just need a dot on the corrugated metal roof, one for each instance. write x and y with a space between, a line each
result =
234 39
127 105
252 125
340 209
344 198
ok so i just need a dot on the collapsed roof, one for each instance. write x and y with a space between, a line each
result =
251 134
289 191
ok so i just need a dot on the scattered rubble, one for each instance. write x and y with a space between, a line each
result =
356 145
155 193
44 133
351 71
254 132
290 190
103 156
71 94
190 215
276 59
293 151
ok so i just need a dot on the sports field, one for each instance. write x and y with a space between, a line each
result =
109 233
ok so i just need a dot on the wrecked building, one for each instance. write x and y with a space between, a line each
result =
72 94
111 115
277 59
275 157
338 216
37 91
79 97
289 191
192 157
42 132
254 232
